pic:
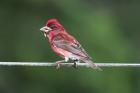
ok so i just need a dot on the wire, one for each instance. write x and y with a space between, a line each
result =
49 64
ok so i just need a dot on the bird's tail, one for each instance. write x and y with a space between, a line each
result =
91 64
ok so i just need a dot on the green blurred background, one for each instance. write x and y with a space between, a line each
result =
108 29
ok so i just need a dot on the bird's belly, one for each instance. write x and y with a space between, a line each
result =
61 52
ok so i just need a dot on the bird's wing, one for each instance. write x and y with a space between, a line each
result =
70 44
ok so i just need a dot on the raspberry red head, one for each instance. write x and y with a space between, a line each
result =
51 25
51 22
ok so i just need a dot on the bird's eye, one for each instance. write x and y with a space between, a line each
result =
52 26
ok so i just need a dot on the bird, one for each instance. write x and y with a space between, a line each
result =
65 45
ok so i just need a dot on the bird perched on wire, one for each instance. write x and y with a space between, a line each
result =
65 45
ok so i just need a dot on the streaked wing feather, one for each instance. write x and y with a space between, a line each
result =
82 49
69 46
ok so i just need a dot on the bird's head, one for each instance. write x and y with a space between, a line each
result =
51 25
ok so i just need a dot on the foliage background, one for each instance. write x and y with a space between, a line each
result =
108 29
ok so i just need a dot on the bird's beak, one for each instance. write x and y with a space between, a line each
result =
45 29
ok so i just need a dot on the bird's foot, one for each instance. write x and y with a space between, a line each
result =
75 65
58 63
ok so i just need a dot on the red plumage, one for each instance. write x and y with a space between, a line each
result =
64 44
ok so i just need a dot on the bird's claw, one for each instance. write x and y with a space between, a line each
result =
75 65
75 61
58 64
